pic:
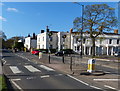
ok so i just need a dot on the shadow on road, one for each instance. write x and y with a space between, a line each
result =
9 85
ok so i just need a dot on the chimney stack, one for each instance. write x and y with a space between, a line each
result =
47 30
33 35
28 35
42 31
71 30
116 31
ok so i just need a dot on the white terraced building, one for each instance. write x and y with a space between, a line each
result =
30 42
44 42
54 42
106 44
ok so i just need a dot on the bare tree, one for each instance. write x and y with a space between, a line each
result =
97 18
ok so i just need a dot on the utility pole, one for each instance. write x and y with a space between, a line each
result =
81 32
49 35
64 36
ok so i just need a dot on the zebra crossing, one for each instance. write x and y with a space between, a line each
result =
30 68
15 69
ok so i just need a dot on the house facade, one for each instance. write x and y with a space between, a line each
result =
106 44
30 42
44 41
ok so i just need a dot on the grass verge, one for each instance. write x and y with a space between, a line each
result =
3 85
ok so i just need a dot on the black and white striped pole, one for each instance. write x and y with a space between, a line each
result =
49 35
64 36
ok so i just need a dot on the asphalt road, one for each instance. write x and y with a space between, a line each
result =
25 75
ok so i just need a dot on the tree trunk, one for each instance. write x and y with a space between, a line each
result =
93 47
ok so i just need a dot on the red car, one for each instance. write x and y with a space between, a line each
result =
35 52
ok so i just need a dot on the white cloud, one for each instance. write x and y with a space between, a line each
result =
2 18
12 9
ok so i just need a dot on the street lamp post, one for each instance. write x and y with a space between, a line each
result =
49 49
49 35
64 36
81 32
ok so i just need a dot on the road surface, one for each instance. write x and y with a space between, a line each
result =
24 75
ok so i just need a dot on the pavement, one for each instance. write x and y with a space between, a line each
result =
109 80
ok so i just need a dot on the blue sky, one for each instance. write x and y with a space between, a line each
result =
22 18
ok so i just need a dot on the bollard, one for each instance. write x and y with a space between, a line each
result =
49 58
71 63
91 65
40 55
25 49
63 59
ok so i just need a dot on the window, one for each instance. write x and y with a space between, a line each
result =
110 41
50 38
76 40
61 47
75 48
43 38
43 46
84 41
38 39
78 48
50 46
63 39
118 41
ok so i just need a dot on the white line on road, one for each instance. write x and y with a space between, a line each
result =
4 61
77 79
31 68
16 85
106 79
16 79
22 57
29 78
46 68
15 69
95 87
44 76
110 87
83 82
59 75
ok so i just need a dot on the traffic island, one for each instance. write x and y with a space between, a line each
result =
91 69
95 73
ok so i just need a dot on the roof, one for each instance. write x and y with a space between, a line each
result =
103 33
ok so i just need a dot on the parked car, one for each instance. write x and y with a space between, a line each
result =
66 52
117 54
35 52
59 53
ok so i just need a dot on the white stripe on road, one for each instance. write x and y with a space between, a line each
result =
16 79
22 57
110 87
106 79
16 85
83 82
95 87
46 68
4 61
15 69
77 80
32 69
44 76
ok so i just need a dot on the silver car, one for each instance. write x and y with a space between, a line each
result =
117 54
